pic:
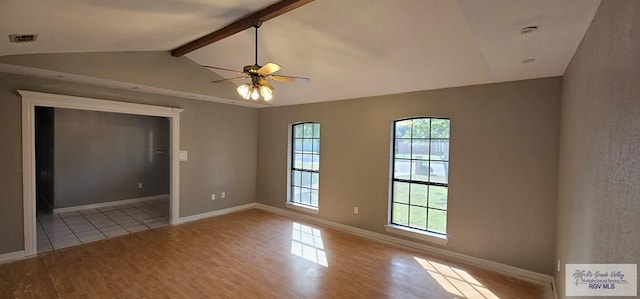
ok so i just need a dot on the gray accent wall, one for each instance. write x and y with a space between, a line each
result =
599 182
101 157
503 171
221 140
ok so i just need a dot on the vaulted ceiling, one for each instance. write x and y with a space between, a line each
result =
349 49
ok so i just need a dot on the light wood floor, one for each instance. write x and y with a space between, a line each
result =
250 254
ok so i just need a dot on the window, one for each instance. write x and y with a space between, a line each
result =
305 164
420 171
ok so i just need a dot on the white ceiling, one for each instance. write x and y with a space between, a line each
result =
349 49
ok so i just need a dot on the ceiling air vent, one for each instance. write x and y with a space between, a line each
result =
23 38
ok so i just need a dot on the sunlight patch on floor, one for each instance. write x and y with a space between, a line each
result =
456 281
306 242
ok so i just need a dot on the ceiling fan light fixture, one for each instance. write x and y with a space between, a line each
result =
255 91
259 87
266 92
244 91
255 94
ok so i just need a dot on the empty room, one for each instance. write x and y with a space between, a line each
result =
319 149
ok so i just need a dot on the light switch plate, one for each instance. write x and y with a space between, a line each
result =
183 156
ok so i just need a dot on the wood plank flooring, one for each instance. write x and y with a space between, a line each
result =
250 254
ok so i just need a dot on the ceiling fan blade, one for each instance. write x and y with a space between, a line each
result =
289 79
266 83
227 80
268 69
221 68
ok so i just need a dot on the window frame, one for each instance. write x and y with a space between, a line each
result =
290 203
407 230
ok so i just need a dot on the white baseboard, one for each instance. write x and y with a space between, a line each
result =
12 256
485 264
554 287
110 203
215 213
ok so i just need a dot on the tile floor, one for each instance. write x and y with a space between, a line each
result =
66 229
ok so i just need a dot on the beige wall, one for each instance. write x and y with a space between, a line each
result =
221 140
599 182
10 171
503 173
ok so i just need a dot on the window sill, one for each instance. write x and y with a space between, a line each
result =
416 234
302 208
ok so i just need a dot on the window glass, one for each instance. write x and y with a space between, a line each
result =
305 164
420 175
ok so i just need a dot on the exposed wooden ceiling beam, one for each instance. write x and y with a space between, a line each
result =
244 23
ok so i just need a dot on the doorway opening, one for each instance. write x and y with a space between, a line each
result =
98 175
109 215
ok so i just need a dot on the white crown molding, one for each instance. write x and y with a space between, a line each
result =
68 77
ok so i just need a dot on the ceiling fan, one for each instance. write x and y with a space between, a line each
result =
259 75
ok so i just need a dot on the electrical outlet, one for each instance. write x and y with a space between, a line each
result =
223 194
558 265
355 210
140 185
213 196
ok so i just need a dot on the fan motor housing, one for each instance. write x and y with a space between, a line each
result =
251 68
